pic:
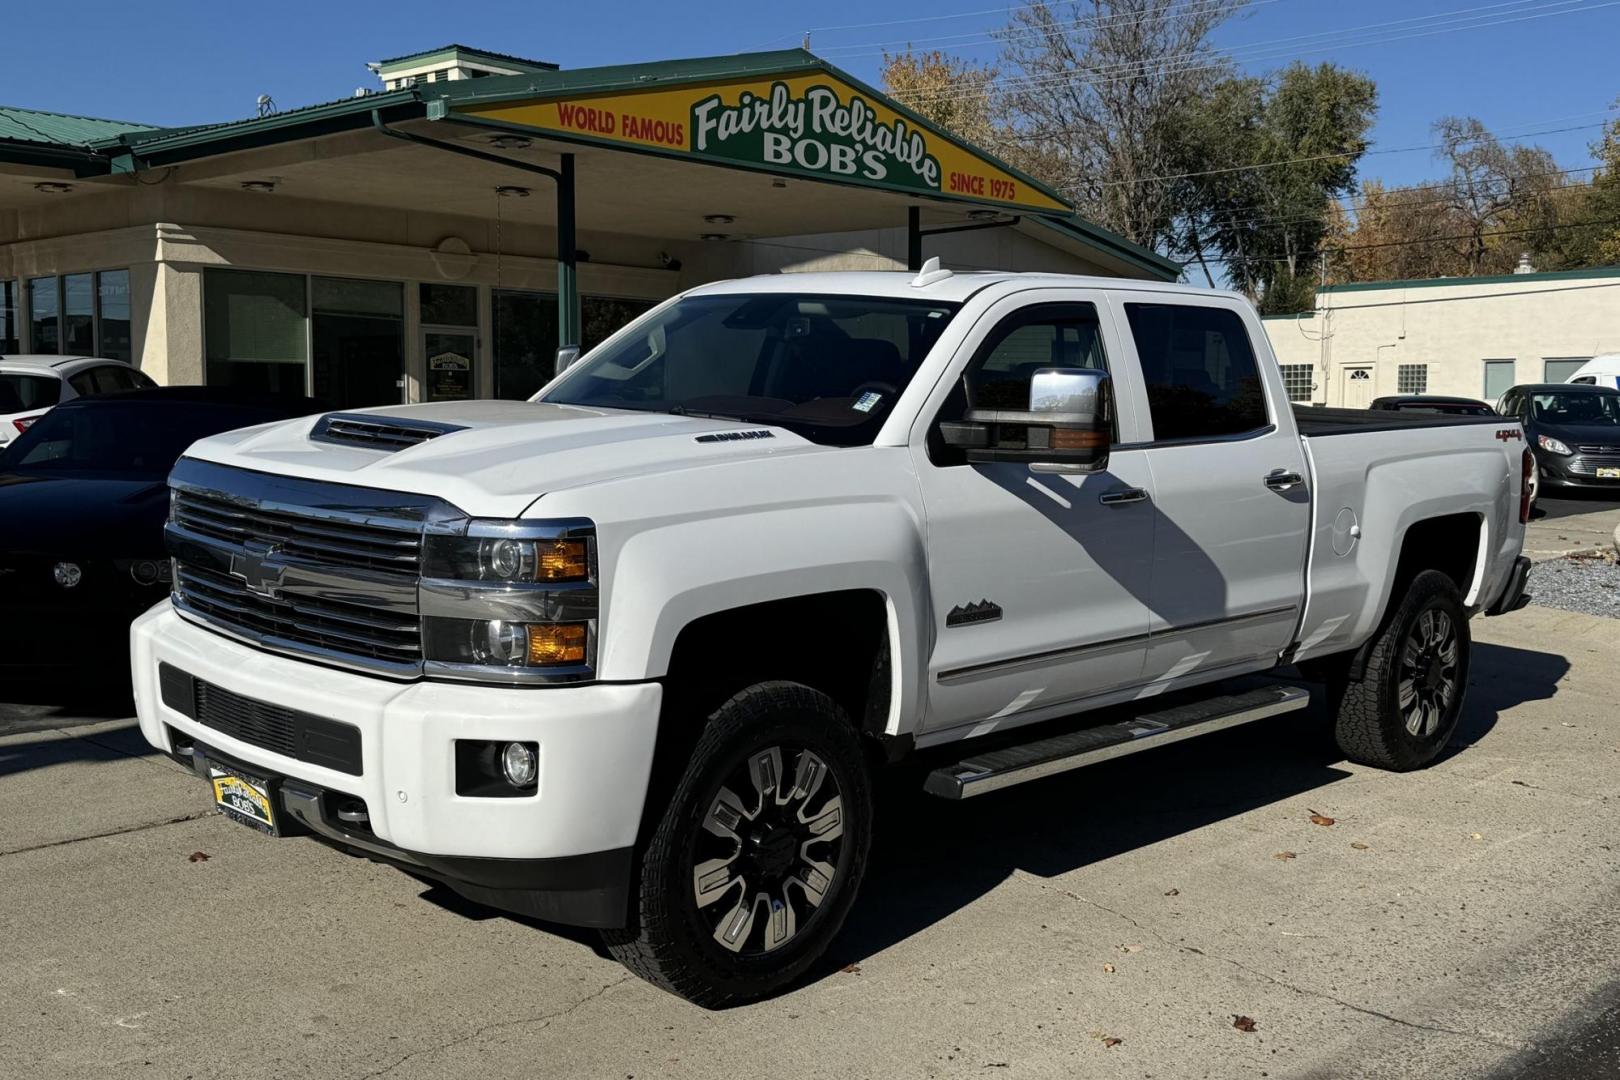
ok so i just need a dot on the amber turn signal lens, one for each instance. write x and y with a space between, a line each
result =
563 560
556 643
1069 439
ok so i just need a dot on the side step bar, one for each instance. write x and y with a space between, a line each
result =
996 769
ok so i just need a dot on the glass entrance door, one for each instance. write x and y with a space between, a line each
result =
449 354
357 335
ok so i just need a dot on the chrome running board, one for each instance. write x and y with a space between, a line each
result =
995 769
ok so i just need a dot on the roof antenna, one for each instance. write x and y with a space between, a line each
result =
806 45
931 272
266 105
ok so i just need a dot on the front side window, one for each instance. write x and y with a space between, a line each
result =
1200 370
826 367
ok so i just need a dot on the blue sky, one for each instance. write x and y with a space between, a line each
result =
190 62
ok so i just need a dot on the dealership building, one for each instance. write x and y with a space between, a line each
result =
441 233
1470 337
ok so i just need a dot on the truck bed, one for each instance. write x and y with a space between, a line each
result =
1317 423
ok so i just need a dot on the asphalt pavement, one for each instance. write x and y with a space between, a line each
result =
1463 921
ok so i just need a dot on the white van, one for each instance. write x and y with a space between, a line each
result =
1599 371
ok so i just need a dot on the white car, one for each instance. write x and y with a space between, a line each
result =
30 385
632 654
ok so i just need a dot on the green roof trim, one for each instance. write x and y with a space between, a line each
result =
1493 279
60 129
1143 258
451 51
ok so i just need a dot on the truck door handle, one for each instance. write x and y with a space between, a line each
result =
1282 479
1123 496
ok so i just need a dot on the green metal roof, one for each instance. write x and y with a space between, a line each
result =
1491 279
452 50
59 129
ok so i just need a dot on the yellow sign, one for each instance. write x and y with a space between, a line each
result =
809 124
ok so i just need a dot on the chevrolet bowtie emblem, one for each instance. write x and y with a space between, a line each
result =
256 565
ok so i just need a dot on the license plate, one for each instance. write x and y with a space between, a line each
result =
246 799
1608 474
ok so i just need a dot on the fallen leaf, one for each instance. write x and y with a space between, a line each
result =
1565 723
1128 948
1476 836
1320 819
1172 892
1285 855
1111 1042
1358 845
1108 969
851 969
1521 783
1243 1023
197 856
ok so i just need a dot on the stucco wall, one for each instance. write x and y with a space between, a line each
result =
1453 328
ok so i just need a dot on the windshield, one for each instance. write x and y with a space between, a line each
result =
1578 409
826 367
135 440
21 393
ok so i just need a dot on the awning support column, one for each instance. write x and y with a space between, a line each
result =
914 258
568 314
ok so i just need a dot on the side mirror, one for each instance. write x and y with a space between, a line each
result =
1066 429
566 355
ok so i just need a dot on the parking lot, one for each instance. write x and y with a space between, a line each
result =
1116 921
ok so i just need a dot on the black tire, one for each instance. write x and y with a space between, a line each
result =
677 943
1404 709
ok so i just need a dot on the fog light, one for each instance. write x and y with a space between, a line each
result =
144 571
67 574
519 763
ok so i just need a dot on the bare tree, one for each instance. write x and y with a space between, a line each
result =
1096 87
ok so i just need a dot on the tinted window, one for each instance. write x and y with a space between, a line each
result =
19 393
84 383
1201 375
131 439
829 368
112 379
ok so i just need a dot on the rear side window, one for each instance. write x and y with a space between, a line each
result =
1202 378
116 379
20 393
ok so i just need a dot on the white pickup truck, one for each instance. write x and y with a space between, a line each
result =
632 655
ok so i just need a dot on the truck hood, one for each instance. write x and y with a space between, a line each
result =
500 455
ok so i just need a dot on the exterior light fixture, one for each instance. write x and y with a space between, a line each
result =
718 219
51 187
714 236
511 142
263 187
983 215
778 183
511 191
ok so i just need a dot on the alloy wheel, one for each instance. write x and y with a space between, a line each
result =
1428 672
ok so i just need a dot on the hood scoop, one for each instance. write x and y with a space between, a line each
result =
377 432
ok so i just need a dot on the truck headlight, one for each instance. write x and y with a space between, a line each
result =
1547 442
510 601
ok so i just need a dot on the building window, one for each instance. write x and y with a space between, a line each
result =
525 342
357 342
1560 368
44 311
112 316
1498 379
1412 379
603 316
256 333
1298 381
79 315
10 332
449 305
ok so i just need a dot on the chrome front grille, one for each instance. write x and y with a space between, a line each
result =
323 570
388 548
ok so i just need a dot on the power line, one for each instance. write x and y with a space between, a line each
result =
1180 63
1426 240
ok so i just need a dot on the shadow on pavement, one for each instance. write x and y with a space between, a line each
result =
115 745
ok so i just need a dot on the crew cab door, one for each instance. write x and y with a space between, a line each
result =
1229 483
1039 586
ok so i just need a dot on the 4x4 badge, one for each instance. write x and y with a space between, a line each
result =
254 565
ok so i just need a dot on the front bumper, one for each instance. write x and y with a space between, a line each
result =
574 835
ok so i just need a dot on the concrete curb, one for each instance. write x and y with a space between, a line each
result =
1617 539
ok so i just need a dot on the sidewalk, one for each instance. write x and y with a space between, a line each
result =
1555 537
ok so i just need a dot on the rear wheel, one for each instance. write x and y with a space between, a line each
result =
1404 708
749 875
